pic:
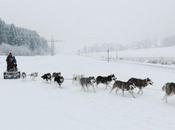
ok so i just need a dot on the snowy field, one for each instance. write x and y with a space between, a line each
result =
163 55
150 52
37 105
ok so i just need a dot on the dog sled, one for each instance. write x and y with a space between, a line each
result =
12 70
12 75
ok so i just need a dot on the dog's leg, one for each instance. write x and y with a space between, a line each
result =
131 92
116 90
83 88
139 91
93 88
112 88
132 86
107 86
96 85
87 88
165 98
123 92
59 85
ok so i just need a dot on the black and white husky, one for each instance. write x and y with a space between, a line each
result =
169 89
105 80
47 77
140 83
59 79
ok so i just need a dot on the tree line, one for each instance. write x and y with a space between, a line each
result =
21 41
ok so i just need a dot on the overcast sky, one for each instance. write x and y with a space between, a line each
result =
81 22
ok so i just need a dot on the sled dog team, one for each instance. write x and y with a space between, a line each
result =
91 81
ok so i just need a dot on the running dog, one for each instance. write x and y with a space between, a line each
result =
169 89
85 82
105 80
33 75
59 79
47 77
23 75
140 83
124 86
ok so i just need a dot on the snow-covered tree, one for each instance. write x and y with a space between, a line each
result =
21 38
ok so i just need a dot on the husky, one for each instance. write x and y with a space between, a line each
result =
169 89
140 83
85 82
33 75
47 77
105 80
23 75
59 79
124 86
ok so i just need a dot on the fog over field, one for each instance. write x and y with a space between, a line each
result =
82 22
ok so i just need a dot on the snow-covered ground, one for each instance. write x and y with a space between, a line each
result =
37 105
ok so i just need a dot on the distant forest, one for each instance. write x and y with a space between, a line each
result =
21 41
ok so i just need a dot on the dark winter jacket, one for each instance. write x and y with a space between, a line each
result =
9 59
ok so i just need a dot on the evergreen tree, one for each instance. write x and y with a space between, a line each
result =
21 38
